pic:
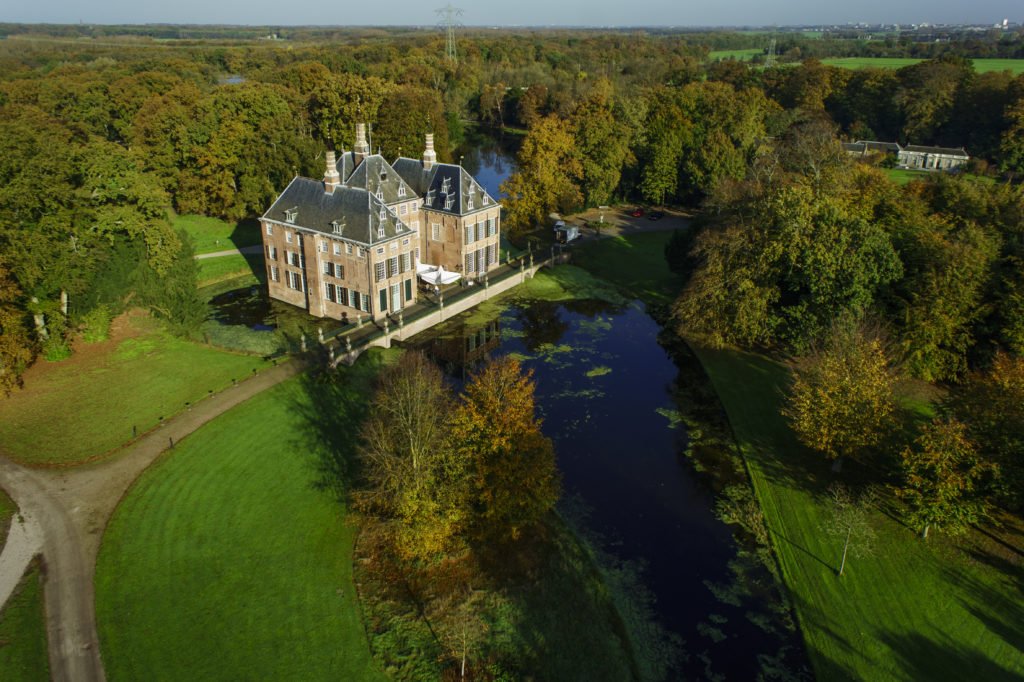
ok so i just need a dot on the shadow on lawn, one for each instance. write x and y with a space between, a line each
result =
943 658
999 606
246 233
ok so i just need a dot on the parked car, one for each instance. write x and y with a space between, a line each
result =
565 233
655 215
637 212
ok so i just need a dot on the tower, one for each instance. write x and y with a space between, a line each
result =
448 16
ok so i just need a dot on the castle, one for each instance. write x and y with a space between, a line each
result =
355 242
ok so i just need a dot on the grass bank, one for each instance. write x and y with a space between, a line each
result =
23 653
248 266
1014 66
88 405
937 610
213 234
225 562
7 509
635 263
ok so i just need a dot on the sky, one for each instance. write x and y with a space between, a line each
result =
515 12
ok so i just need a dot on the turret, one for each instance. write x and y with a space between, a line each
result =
332 179
362 147
429 155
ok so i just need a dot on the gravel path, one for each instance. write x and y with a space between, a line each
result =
24 540
72 507
231 252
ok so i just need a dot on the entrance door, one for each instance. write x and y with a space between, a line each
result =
396 297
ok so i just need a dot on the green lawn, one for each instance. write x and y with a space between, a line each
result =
913 610
739 55
213 270
636 263
1015 66
87 405
23 654
7 509
214 234
224 562
902 176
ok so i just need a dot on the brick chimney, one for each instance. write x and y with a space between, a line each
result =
332 180
429 156
362 147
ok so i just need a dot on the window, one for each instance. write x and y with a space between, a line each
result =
408 290
275 274
336 227
272 252
491 227
337 248
383 213
430 198
392 266
435 231
470 263
380 195
288 237
380 251
342 295
366 303
339 271
380 230
323 247
329 268
406 261
405 242
469 203
492 254
446 186
401 192
487 200
353 300
470 229
294 280
361 253
417 254
348 250
290 215
383 300
329 291
379 270
269 228
404 210
449 202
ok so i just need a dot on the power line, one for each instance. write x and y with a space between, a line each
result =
449 21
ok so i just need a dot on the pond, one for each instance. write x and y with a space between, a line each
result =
605 391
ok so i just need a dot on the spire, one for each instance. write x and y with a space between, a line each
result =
429 156
332 180
362 147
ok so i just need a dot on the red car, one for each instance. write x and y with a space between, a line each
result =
637 212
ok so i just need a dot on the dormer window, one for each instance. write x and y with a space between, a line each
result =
430 198
449 202
401 190
446 186
291 214
380 231
469 202
380 194
336 227
383 213
487 200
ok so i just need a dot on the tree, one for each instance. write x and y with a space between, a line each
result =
841 400
512 477
849 519
1011 146
603 141
943 475
549 168
413 478
16 348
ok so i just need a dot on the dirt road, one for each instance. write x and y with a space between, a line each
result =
72 507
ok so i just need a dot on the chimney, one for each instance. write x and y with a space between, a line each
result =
362 147
332 180
429 156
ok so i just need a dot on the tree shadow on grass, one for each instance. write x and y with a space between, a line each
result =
943 658
332 405
826 667
999 604
246 233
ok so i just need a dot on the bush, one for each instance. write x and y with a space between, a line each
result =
56 349
96 324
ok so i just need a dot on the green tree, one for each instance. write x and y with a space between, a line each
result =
603 140
16 348
943 475
413 478
549 170
405 116
849 518
513 479
1011 146
841 400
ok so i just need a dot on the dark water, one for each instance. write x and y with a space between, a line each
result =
490 157
605 391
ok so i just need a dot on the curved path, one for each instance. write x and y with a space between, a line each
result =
72 507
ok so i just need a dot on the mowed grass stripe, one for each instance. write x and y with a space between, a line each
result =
912 610
223 562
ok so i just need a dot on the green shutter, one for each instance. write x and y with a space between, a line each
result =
383 300
408 290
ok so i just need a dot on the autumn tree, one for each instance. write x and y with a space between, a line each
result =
943 477
413 477
1011 145
16 348
603 140
547 177
512 477
849 519
405 116
841 400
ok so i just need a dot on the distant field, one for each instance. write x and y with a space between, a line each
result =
739 55
213 234
1015 66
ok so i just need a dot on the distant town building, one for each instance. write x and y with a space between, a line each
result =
354 242
914 157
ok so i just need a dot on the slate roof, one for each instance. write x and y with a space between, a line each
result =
358 212
854 147
374 174
445 187
936 150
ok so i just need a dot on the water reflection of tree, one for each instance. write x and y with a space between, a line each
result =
465 352
541 323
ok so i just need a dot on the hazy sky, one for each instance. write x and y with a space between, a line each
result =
515 12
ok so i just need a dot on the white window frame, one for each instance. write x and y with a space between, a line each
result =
269 228
337 248
288 236
435 231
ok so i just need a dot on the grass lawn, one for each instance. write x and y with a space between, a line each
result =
636 263
902 176
7 509
224 562
1015 66
85 406
913 610
739 55
23 654
214 234
213 270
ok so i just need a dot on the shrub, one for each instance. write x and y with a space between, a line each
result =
96 324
